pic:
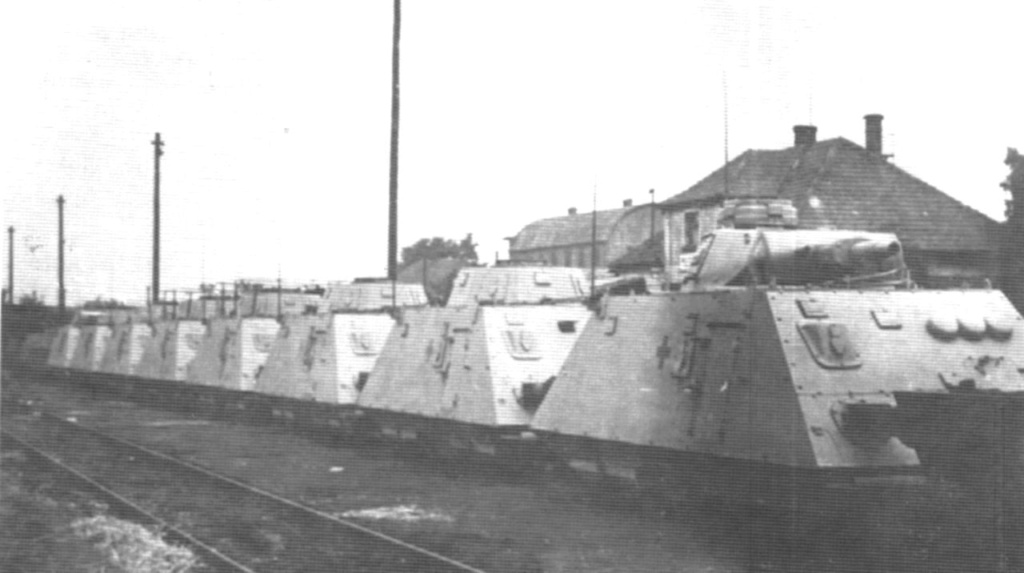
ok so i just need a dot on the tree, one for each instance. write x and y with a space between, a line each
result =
467 249
33 299
1014 184
1013 235
435 263
99 303
439 248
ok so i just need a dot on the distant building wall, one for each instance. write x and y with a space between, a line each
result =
618 230
683 227
577 255
631 231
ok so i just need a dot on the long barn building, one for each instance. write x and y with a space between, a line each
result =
568 240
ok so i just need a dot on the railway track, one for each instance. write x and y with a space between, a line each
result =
234 526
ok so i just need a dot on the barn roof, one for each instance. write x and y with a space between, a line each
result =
837 183
570 229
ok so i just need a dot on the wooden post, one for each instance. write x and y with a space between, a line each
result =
593 245
157 152
60 254
10 265
653 209
393 181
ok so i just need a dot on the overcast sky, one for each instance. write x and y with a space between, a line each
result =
276 119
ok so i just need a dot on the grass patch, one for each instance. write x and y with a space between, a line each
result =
133 547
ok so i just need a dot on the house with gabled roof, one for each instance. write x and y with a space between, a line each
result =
839 184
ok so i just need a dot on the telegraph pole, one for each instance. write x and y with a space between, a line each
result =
157 152
593 244
652 213
393 186
10 264
60 253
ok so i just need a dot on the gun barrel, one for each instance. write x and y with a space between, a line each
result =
873 247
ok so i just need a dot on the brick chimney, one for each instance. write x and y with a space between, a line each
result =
804 134
873 133
572 210
627 202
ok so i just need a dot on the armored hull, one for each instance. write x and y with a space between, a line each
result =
475 371
791 361
469 375
324 358
801 378
232 352
89 351
123 353
171 349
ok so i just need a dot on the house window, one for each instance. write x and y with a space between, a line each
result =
691 231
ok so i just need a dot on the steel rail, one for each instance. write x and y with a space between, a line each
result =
273 496
204 548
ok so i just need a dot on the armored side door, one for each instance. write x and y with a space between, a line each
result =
714 373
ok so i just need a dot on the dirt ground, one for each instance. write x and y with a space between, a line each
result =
537 522
475 512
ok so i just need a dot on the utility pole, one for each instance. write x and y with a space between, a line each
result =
593 243
10 264
60 253
725 133
157 152
393 186
652 213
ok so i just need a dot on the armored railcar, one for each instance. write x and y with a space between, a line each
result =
474 372
321 361
794 354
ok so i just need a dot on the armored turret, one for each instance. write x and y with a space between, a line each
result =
738 257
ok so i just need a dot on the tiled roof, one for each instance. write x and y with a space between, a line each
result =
837 183
569 229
